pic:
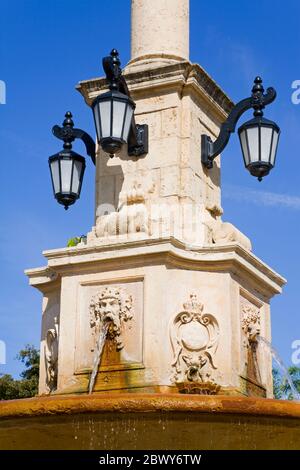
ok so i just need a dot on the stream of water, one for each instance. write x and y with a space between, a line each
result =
98 355
265 343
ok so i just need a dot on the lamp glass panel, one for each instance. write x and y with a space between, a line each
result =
253 142
54 165
118 118
66 175
266 142
77 171
274 147
105 114
243 140
97 121
128 119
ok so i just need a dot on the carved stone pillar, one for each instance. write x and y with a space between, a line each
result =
159 30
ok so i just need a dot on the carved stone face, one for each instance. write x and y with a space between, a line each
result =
109 309
253 330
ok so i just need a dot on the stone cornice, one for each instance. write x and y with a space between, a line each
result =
166 77
214 258
43 276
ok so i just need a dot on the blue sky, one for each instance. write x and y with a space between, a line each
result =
47 47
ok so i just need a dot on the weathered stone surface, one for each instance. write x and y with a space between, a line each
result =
58 405
160 276
159 30
159 237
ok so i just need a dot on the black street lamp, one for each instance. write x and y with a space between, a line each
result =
67 167
114 114
258 137
115 126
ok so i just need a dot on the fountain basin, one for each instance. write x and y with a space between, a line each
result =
149 421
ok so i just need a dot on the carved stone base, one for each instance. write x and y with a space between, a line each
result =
201 388
202 338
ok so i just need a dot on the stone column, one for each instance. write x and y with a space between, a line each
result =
159 30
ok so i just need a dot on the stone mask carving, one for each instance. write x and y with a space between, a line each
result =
111 305
51 356
251 322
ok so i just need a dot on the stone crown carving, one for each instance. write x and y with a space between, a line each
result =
114 306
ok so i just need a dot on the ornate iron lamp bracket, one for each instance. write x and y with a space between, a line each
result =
68 134
258 100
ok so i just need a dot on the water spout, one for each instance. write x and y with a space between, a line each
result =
265 343
98 355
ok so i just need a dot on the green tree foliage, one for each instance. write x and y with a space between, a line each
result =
281 387
27 386
277 384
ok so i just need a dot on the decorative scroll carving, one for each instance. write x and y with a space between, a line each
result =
114 306
194 337
51 356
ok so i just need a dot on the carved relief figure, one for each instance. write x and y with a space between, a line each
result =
51 356
194 338
132 215
114 306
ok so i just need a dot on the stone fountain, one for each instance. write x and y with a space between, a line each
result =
164 300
